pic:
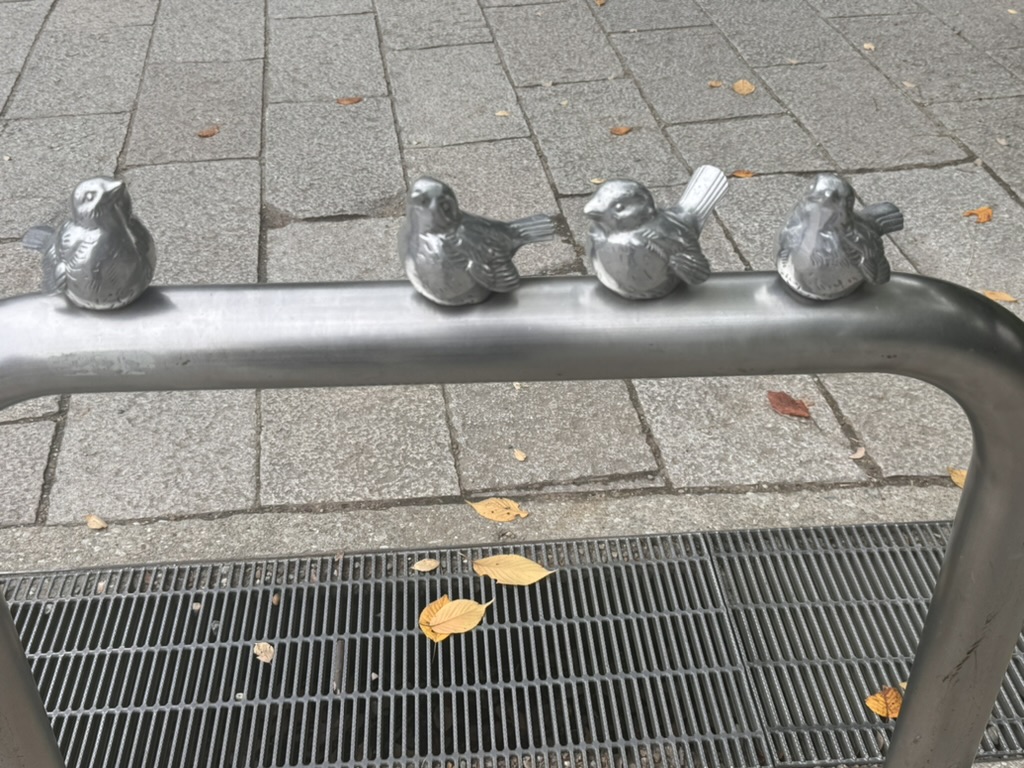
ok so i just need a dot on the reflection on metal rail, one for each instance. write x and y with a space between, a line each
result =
266 336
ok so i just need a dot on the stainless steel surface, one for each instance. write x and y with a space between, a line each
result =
455 258
26 740
643 252
102 257
826 249
572 328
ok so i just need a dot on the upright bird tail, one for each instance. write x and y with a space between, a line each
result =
885 216
705 188
39 238
533 229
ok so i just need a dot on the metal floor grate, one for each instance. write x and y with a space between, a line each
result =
726 650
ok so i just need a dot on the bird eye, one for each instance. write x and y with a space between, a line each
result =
620 207
90 196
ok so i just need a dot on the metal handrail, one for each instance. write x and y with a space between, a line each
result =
270 336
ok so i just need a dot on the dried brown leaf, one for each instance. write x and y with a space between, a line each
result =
869 46
620 130
425 566
455 617
519 455
714 84
1000 296
958 476
349 101
428 614
264 652
742 174
209 132
276 599
788 405
599 3
886 703
95 522
744 87
1002 142
511 569
983 214
858 454
502 113
498 509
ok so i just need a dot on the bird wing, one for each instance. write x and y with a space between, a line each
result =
674 238
863 247
488 247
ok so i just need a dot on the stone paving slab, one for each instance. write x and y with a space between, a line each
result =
198 30
990 26
722 432
994 130
940 240
841 8
873 126
574 122
19 25
204 218
330 251
7 80
75 72
49 156
337 531
638 15
770 32
453 96
101 14
770 144
500 180
677 83
309 63
326 160
156 454
557 42
24 452
430 23
583 433
905 50
908 427
292 9
354 444
178 100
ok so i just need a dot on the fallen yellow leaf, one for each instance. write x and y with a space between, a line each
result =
621 130
742 174
455 617
348 101
425 566
597 180
264 652
869 46
95 522
1012 11
502 113
858 454
209 132
498 509
958 476
714 84
886 703
599 3
983 214
1000 296
519 455
744 87
511 569
427 615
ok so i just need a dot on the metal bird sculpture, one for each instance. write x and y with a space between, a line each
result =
643 252
826 249
453 257
102 257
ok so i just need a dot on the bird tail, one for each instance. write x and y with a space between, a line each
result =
533 229
39 238
886 216
705 188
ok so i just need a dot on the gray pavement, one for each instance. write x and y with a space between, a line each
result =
917 101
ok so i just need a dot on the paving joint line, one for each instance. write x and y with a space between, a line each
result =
24 64
867 464
648 432
50 472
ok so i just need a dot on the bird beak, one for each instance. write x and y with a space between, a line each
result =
592 209
115 186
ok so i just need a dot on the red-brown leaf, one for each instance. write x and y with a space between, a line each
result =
788 405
